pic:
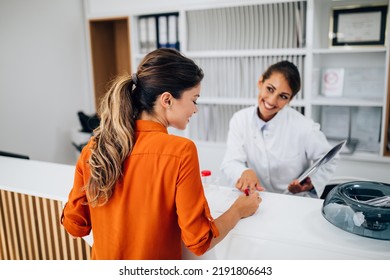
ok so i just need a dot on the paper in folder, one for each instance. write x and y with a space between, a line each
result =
327 157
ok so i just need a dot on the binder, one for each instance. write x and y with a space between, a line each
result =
162 32
173 41
152 33
143 33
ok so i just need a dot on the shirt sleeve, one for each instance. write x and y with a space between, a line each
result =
75 215
193 212
235 158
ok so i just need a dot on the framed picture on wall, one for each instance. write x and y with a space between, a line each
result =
360 26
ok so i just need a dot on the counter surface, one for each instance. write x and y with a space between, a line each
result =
287 227
42 179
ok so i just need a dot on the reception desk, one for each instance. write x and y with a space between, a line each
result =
284 227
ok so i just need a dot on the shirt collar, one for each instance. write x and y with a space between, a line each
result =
148 126
262 125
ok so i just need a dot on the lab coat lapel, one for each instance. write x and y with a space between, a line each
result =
257 135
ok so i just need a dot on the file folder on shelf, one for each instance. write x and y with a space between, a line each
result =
143 34
162 32
152 34
173 41
158 31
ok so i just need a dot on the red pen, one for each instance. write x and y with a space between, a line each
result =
247 191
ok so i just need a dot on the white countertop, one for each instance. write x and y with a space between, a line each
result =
284 227
42 179
287 227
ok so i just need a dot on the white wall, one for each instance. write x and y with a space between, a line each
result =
43 77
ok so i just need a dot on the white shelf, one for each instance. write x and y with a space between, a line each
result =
243 53
350 50
340 101
241 101
227 101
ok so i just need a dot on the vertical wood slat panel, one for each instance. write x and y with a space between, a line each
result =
3 235
27 227
13 231
30 229
34 230
54 233
39 228
19 226
8 237
49 242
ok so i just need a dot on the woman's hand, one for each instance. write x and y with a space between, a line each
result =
247 205
244 206
249 180
296 187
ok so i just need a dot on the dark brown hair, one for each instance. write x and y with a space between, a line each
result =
290 73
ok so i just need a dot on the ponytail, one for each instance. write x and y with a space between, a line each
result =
113 141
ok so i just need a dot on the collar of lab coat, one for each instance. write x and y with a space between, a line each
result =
262 125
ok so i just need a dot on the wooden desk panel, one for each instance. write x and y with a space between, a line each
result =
30 229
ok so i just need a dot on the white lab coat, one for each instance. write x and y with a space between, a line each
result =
278 154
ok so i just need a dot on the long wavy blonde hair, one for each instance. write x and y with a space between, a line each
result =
162 70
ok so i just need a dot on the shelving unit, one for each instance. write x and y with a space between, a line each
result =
365 82
235 41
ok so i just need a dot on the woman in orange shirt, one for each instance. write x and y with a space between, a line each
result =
137 187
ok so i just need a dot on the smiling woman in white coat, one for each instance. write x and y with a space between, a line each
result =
271 144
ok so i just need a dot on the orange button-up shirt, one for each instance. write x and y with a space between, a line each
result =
158 203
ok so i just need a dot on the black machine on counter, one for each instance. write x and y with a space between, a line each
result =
360 207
